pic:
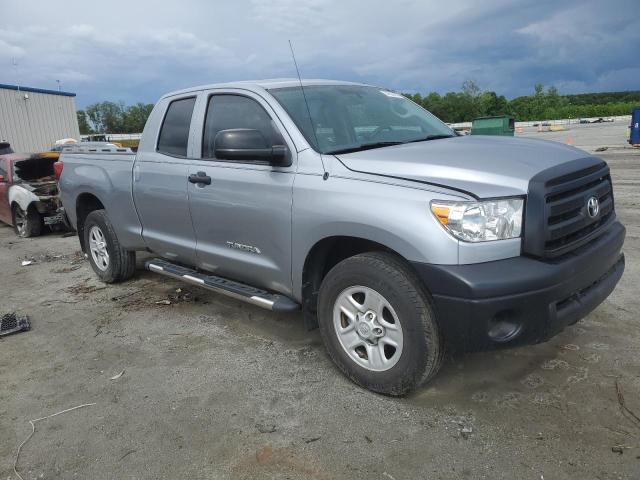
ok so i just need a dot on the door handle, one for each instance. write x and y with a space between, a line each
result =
200 177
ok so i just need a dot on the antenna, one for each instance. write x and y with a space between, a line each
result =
14 62
304 96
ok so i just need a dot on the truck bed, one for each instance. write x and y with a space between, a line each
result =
109 176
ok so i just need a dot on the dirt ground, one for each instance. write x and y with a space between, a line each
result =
216 389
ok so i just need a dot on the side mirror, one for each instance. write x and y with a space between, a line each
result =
248 144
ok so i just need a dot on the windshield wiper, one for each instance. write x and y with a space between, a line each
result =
430 137
368 146
364 146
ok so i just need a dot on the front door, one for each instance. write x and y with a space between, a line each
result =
160 186
242 218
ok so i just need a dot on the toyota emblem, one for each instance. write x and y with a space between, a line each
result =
593 207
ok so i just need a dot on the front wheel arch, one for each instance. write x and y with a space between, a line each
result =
31 225
322 257
393 279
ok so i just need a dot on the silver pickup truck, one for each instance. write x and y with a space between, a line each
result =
352 204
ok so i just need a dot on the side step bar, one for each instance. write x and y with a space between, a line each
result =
240 291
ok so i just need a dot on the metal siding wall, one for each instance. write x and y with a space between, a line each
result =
34 124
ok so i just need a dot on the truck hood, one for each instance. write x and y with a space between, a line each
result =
484 166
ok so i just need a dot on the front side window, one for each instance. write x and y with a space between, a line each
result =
226 112
353 117
174 133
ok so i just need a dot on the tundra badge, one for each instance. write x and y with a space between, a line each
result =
242 246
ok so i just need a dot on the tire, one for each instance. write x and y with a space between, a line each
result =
407 320
109 260
26 224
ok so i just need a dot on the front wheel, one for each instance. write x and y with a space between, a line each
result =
109 260
26 223
377 324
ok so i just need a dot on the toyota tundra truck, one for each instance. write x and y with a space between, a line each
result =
356 207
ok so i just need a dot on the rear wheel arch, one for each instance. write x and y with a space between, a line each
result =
85 204
107 258
322 257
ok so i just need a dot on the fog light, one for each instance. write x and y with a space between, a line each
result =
503 328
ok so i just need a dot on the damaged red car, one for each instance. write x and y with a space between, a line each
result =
29 198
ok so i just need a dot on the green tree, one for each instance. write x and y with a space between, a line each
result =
111 117
491 104
135 117
471 88
106 117
83 123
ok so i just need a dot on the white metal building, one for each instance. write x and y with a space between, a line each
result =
32 119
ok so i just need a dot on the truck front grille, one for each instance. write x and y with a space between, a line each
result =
564 223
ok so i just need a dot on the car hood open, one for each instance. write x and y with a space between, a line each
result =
483 166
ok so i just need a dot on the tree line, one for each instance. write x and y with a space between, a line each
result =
543 104
463 106
111 117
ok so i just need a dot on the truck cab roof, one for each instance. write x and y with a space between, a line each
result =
262 85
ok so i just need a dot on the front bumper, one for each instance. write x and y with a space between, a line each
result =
522 300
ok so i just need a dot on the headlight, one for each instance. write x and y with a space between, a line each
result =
480 221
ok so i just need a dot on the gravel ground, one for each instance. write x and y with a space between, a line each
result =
213 388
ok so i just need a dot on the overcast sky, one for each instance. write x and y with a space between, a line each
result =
136 50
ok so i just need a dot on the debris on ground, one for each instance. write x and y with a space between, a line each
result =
117 376
81 289
266 427
602 149
26 263
182 295
312 439
124 295
127 454
66 269
13 323
619 449
466 431
626 411
163 302
33 430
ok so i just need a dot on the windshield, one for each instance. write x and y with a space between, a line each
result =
352 117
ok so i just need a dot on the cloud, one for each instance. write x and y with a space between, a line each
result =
136 51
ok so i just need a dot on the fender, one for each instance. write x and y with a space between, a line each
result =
21 196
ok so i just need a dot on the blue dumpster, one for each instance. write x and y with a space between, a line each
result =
634 137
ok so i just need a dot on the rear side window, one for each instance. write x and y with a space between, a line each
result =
226 112
3 170
174 134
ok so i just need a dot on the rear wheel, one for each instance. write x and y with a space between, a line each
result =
26 223
377 323
109 260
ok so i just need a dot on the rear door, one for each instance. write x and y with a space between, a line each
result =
160 184
242 219
5 208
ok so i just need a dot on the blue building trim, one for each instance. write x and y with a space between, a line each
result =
36 90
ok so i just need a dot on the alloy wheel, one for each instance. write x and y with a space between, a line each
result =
98 248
